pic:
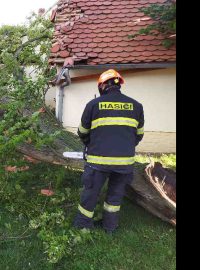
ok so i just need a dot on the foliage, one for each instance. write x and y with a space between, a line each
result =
141 242
22 95
22 107
50 216
164 17
168 161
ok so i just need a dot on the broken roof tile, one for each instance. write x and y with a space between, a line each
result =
53 15
55 48
64 54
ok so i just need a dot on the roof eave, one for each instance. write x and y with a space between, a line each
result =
130 66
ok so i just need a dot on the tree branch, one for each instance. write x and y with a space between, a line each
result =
28 42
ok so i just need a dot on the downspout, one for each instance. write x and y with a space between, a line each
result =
60 104
63 80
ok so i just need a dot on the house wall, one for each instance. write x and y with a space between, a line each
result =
51 94
156 90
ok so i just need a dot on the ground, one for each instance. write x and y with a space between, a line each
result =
142 241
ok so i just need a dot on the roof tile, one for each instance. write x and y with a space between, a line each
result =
97 31
117 39
107 50
73 36
76 50
68 40
64 54
83 45
118 49
78 40
72 45
103 45
80 54
147 53
92 54
55 48
102 35
97 40
92 45
97 50
87 49
102 55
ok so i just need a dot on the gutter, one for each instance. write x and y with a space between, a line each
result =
129 66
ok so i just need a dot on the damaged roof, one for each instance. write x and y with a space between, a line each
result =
96 32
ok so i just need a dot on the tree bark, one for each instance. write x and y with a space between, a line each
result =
155 191
50 155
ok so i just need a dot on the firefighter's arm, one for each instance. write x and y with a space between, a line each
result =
85 125
140 128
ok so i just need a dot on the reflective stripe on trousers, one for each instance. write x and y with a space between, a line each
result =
111 208
85 212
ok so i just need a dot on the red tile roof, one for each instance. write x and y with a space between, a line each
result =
96 32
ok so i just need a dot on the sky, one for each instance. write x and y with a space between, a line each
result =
14 12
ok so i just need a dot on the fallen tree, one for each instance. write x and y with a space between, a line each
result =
154 188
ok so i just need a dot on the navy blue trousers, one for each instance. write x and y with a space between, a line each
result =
93 181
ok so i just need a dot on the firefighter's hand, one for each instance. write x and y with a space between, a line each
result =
86 140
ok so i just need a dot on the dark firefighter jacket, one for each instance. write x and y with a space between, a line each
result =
111 127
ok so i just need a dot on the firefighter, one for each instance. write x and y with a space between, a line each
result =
112 125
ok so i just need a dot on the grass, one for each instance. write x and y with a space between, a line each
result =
167 160
143 242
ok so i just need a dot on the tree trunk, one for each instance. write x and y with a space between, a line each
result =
50 155
155 190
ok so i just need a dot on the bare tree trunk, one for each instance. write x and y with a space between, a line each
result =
50 155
